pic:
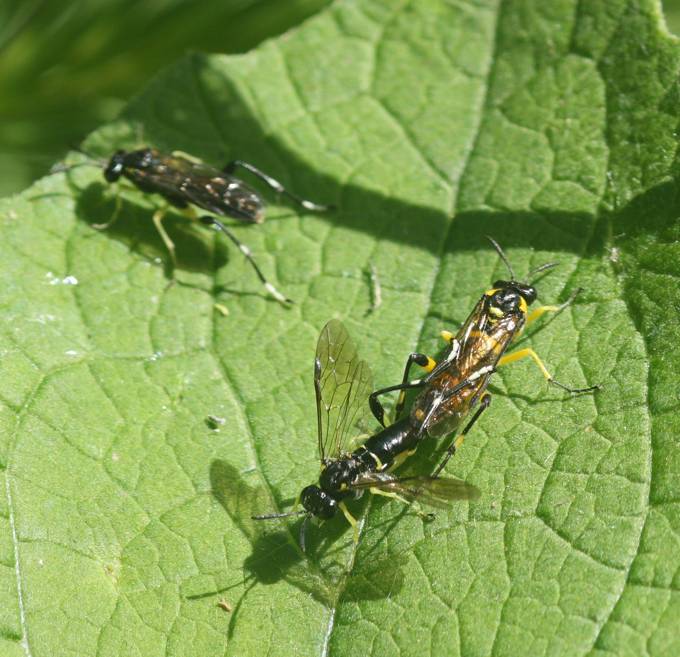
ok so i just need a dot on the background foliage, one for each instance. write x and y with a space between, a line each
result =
125 516
101 52
66 68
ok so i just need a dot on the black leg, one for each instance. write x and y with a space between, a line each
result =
211 221
377 408
422 360
303 534
483 405
275 185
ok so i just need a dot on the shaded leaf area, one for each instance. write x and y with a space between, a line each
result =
126 516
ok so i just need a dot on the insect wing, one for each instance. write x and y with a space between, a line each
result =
342 384
221 193
450 394
444 416
204 186
193 168
435 492
153 171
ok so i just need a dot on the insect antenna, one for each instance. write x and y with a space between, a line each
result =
303 527
541 268
272 516
61 167
502 255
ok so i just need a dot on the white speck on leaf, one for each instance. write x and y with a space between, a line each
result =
55 280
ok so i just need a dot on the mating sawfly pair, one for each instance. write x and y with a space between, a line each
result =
449 391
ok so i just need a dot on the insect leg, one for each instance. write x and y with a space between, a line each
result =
211 221
447 336
114 217
377 408
400 458
396 496
169 244
424 361
351 520
303 533
385 493
483 405
538 312
523 353
274 184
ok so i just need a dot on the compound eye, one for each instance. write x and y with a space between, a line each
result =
114 168
529 294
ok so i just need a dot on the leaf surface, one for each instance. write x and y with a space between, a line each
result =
125 515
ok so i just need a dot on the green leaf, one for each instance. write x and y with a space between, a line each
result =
126 516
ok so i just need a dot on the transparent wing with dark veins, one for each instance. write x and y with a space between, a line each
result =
205 186
437 492
342 384
441 407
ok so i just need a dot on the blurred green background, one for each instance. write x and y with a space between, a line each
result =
66 67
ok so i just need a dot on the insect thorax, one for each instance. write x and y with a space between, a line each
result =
339 474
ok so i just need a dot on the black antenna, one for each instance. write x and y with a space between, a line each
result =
272 516
541 268
60 167
502 255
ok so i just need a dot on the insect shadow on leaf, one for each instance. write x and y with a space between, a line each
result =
276 557
198 191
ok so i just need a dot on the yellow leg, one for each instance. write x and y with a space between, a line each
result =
351 520
190 213
396 496
401 457
384 493
169 244
523 353
115 190
356 441
114 216
538 312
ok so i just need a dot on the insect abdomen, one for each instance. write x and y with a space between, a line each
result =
379 452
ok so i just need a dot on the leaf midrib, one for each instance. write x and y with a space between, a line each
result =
454 192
